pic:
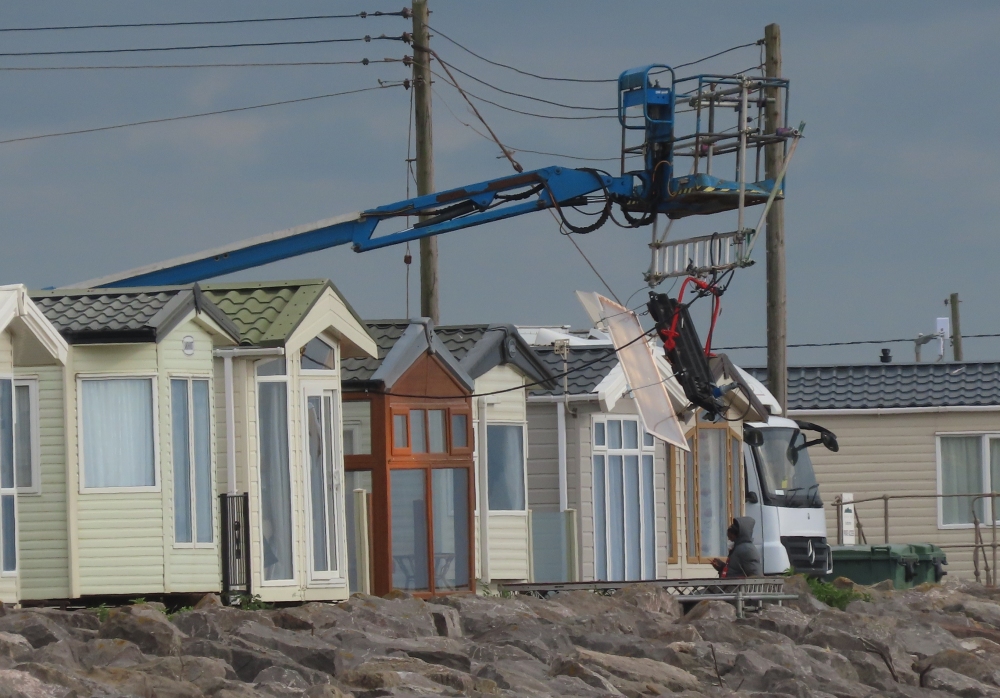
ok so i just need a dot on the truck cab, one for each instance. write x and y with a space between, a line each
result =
783 497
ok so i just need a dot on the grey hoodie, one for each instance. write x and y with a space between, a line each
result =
744 560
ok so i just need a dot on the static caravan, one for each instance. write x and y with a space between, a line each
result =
124 499
409 444
29 347
633 507
281 463
502 365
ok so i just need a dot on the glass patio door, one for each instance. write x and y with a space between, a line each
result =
324 483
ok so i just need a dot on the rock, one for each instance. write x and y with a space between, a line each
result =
953 683
138 683
199 624
625 671
926 639
962 662
447 622
146 626
650 598
565 666
63 653
207 674
110 652
19 684
311 616
710 610
807 603
208 601
14 648
982 611
306 650
36 628
784 620
288 678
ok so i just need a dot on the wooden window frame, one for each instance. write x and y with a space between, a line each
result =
695 557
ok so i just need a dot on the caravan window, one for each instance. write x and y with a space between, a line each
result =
713 489
317 355
505 466
968 464
624 500
8 503
26 447
357 419
192 461
117 430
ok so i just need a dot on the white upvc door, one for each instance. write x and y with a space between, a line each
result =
324 466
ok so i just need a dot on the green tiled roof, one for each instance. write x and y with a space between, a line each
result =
266 312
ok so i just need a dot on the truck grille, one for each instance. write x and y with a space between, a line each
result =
807 555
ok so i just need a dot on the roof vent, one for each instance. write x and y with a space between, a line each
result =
886 357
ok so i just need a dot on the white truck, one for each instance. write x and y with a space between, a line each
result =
783 497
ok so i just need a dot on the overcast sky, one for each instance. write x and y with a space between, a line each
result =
893 198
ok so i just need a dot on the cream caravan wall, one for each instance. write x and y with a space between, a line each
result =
896 454
124 540
509 538
44 558
8 582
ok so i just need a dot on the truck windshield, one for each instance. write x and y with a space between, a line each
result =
784 483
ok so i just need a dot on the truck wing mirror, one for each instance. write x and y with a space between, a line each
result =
829 440
753 437
752 497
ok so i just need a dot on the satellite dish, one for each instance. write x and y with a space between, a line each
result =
659 416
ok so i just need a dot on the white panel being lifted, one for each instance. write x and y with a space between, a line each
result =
645 380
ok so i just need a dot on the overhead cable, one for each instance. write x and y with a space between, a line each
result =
518 94
207 113
363 61
510 67
759 42
366 39
851 343
404 13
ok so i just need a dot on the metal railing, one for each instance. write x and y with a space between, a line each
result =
234 510
978 545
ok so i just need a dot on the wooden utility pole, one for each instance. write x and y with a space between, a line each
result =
956 327
777 334
429 306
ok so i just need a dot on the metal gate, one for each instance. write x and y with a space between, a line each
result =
235 511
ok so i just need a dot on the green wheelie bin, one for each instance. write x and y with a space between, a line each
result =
931 561
871 564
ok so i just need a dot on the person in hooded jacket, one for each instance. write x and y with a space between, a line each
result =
744 558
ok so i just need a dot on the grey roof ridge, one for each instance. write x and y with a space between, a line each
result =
417 339
907 364
492 351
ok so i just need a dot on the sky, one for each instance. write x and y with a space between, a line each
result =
893 196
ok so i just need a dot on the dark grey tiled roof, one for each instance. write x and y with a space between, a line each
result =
73 313
385 333
460 339
890 385
589 366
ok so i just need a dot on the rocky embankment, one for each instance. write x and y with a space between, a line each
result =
934 641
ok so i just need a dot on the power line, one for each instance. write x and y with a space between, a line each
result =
524 96
856 342
404 13
366 39
510 67
720 53
195 116
363 61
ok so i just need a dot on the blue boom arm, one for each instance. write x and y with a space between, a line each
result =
441 212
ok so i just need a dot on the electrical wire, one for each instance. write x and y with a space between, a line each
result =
524 96
851 343
363 61
509 67
194 116
366 39
404 13
759 42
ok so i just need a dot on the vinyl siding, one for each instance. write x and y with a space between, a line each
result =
543 457
187 568
896 454
509 544
6 352
44 562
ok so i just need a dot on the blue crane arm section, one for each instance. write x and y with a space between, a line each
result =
441 212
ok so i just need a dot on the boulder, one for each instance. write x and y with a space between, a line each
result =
309 651
36 628
570 666
309 617
651 598
710 610
625 672
784 620
201 624
110 653
14 648
447 622
953 683
208 601
962 662
20 684
146 626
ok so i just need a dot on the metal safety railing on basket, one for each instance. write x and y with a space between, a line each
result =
978 546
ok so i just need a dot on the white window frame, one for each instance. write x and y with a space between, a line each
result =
293 494
157 481
524 462
189 377
319 373
31 382
12 491
643 450
984 444
337 577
